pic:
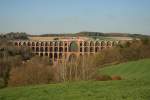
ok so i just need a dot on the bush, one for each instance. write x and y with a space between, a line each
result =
31 73
108 56
2 83
116 78
128 51
103 78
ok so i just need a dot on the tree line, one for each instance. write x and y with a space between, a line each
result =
14 36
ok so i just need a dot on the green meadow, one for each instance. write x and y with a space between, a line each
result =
134 86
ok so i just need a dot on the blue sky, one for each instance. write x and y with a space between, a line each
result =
63 16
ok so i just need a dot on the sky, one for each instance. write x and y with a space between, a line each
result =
70 16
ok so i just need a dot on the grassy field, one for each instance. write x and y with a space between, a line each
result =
135 86
130 71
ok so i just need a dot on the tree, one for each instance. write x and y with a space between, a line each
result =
81 68
31 73
11 56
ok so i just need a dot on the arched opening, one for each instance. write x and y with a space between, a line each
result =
24 43
37 49
60 43
19 43
81 44
37 43
46 43
108 43
16 44
33 44
86 49
56 49
56 43
96 49
60 49
41 49
103 43
114 43
29 44
42 43
46 49
50 55
97 43
65 43
81 49
91 49
86 43
65 49
91 43
51 44
51 49
55 56
73 47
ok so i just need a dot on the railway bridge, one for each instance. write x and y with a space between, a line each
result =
58 50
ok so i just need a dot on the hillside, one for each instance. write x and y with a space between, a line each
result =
132 70
135 86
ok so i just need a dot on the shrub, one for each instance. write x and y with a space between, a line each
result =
116 78
2 83
31 73
10 56
129 51
103 78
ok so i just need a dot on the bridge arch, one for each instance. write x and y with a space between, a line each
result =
19 43
81 44
86 43
114 43
16 43
108 43
46 44
97 43
33 43
91 49
60 43
24 44
103 43
56 43
96 49
91 43
73 47
37 43
51 43
42 43
29 44
86 49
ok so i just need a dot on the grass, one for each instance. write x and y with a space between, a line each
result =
135 86
137 70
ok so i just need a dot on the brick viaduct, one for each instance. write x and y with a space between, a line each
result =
57 50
